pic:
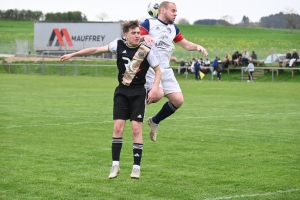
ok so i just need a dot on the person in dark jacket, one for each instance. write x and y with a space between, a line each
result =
197 65
287 59
295 57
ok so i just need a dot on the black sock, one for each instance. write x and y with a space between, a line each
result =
137 153
116 147
167 110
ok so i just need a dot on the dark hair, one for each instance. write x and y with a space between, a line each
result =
130 25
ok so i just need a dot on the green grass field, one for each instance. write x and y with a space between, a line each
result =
230 140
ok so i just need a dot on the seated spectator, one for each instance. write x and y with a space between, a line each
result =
238 59
287 59
228 56
226 61
201 62
245 57
204 69
233 58
207 63
181 66
295 56
253 57
187 65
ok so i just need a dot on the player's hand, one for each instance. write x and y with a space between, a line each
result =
202 49
149 40
152 95
65 57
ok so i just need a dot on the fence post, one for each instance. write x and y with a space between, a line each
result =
242 72
9 68
42 70
75 69
96 70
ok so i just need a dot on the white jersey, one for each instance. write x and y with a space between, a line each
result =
164 35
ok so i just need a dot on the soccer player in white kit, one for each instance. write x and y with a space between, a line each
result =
160 33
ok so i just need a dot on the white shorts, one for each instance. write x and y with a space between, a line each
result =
168 81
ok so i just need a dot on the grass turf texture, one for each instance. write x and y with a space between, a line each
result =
228 139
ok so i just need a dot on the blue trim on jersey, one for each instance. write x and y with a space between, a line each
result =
146 25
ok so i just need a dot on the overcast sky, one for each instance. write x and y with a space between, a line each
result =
191 10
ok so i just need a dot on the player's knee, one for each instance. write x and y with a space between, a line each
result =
118 130
159 96
178 102
136 132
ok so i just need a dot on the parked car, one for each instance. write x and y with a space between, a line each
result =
276 58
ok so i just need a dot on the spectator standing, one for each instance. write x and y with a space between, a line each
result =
287 59
250 69
215 64
197 65
191 68
295 57
219 71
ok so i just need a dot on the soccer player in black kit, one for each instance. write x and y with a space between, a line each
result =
130 97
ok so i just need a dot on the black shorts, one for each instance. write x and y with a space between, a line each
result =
129 103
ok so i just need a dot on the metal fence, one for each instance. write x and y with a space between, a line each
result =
27 47
70 69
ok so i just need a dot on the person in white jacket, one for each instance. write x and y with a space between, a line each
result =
250 69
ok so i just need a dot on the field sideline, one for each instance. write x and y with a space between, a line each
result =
230 140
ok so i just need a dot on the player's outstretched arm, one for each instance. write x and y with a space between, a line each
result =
190 46
85 52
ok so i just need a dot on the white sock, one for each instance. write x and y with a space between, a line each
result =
115 163
136 167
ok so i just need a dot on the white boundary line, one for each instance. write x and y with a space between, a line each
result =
183 118
255 195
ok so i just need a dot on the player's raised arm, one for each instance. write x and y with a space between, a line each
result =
190 46
85 52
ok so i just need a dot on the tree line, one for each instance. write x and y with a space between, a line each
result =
284 20
15 14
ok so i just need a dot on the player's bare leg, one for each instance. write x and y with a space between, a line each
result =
137 148
117 141
175 101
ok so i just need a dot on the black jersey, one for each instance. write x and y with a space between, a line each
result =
132 62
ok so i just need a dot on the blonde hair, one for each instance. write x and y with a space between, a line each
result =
165 5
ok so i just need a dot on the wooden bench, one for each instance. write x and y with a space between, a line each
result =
294 64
